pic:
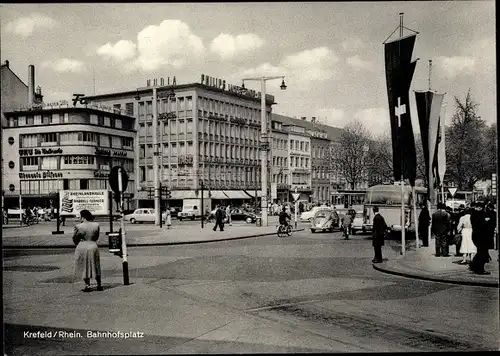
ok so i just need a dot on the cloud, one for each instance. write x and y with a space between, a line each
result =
331 116
358 63
314 64
376 120
453 66
170 43
263 69
25 26
352 44
120 51
54 96
229 46
65 65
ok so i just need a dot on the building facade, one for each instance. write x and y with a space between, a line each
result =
299 149
280 159
211 133
321 166
47 149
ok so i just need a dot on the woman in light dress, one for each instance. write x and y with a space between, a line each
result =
467 248
87 253
168 219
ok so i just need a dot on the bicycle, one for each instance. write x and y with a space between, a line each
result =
346 231
284 230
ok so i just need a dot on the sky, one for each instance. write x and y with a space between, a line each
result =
331 53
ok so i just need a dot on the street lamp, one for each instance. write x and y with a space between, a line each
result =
264 139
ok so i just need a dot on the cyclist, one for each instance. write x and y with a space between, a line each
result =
284 218
346 225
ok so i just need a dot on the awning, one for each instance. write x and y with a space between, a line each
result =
236 194
218 194
252 193
183 194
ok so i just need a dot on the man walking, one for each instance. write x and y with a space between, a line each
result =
424 220
441 224
480 239
378 235
219 219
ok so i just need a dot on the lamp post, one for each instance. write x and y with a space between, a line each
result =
264 140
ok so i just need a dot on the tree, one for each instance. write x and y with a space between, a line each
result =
421 169
379 162
351 155
466 154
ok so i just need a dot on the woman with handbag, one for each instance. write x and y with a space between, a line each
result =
467 247
87 264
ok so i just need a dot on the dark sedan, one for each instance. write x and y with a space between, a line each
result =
242 215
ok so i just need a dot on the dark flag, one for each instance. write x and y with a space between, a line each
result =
399 73
429 109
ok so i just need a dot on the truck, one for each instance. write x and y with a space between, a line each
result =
191 208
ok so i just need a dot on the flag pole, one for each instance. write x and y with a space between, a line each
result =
415 216
403 237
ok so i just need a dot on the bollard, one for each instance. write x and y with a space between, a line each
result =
115 243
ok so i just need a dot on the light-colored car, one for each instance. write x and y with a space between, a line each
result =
189 212
308 215
142 215
15 211
357 223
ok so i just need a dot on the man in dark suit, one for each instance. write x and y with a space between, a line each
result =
424 220
441 225
479 223
219 218
378 235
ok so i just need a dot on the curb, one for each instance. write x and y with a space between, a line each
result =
146 244
435 279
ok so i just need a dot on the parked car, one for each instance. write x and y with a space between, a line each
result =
142 215
189 212
174 211
308 215
243 215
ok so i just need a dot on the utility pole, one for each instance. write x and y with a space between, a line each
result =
155 158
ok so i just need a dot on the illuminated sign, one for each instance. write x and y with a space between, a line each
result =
41 175
221 84
43 151
103 152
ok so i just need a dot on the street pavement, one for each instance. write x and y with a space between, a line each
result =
303 293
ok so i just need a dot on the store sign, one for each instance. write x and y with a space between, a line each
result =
43 151
103 152
221 84
40 175
101 175
74 201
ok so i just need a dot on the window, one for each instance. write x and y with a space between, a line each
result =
149 107
189 103
69 137
30 120
66 118
127 142
22 120
117 108
107 121
84 184
302 145
116 142
93 119
129 109
173 127
29 161
118 123
46 119
87 137
49 162
104 140
29 140
100 120
141 108
49 138
74 159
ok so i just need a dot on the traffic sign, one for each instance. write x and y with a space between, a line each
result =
295 196
452 191
114 179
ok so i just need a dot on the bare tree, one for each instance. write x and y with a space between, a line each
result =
379 163
466 155
351 155
421 168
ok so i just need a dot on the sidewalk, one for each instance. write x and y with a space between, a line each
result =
40 236
423 264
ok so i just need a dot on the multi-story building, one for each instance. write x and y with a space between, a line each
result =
321 166
299 143
280 158
52 148
211 133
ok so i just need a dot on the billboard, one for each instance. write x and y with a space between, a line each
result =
73 201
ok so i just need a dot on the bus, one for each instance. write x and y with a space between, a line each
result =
342 199
388 200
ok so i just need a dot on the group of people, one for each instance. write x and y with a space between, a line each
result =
471 229
222 216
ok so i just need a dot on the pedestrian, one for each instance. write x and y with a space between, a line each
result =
378 235
455 221
491 223
219 219
441 224
467 247
424 221
168 218
87 253
346 225
228 215
479 238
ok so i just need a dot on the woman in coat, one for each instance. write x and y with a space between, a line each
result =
168 220
87 253
467 247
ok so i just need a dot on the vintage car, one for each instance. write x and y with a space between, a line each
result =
324 219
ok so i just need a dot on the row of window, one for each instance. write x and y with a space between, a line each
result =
320 152
233 174
42 187
224 108
298 178
299 145
56 162
102 140
64 118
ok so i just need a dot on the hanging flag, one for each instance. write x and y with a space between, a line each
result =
399 73
428 109
440 162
